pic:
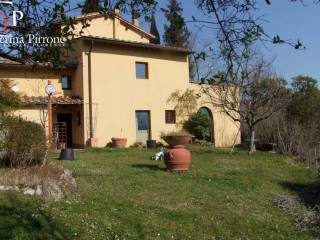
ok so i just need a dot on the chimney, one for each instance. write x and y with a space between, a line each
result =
116 23
117 11
136 21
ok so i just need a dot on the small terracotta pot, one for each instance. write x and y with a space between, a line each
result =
178 158
62 146
119 142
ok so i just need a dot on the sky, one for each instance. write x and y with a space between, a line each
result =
290 20
293 21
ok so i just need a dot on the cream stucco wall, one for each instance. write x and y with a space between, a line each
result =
110 27
226 131
30 114
32 82
118 94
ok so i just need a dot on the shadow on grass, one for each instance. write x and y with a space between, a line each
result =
26 219
309 194
148 166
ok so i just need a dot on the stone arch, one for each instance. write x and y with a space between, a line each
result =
206 110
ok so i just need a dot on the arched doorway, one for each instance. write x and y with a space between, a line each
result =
207 111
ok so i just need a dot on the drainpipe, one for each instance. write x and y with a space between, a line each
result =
91 130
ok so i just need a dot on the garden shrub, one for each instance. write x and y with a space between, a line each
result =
9 100
22 143
199 125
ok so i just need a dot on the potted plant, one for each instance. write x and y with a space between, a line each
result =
178 158
119 142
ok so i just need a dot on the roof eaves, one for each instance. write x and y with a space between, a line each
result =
137 44
6 63
135 27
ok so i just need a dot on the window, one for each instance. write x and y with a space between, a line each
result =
66 82
142 71
170 116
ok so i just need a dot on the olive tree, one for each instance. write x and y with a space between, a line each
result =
256 95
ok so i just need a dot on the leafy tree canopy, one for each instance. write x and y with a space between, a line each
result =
91 6
199 124
154 30
305 103
43 18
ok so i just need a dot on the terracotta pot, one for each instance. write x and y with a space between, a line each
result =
175 140
119 142
62 146
178 159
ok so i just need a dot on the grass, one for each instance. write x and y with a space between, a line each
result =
123 195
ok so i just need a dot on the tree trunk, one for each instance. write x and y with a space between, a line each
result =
234 142
252 147
46 156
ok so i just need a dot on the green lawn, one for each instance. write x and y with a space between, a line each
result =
124 195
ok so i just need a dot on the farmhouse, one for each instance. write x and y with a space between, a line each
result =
118 88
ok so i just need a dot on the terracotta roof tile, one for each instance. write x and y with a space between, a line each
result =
31 64
40 100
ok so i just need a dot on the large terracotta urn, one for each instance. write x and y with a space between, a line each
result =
178 158
119 142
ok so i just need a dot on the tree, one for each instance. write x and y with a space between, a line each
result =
91 6
240 93
295 129
43 18
305 100
253 98
199 125
21 141
154 30
176 32
238 24
137 8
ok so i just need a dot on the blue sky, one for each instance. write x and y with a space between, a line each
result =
291 20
